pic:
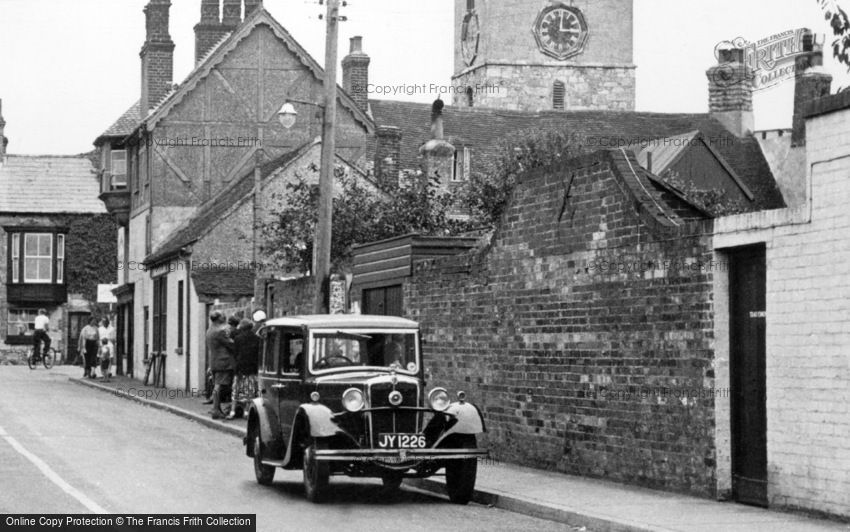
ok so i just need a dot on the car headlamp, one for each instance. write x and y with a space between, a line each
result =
439 400
352 400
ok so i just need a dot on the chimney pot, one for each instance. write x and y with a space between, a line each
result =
357 44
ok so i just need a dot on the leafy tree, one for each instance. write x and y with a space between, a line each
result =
486 193
361 214
840 23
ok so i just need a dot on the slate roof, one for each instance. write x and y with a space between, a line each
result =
664 154
211 212
49 184
668 151
238 282
122 127
481 129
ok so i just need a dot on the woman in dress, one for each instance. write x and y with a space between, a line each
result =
245 384
88 345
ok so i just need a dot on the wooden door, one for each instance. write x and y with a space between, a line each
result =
76 322
384 301
747 374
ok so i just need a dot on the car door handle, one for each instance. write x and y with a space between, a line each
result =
278 386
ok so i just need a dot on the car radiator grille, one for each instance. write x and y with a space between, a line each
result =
395 420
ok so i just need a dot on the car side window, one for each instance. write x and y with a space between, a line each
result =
291 356
271 347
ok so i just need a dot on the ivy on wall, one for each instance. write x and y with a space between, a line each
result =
91 251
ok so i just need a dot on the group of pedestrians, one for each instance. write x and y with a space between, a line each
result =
234 349
97 347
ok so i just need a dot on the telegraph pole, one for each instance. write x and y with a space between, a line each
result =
322 240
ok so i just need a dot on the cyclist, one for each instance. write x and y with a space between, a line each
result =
41 324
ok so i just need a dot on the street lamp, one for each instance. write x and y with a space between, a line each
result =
287 115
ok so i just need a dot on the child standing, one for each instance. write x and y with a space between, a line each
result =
105 358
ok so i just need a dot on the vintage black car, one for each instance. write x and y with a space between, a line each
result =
345 395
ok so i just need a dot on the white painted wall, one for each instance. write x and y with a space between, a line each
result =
808 330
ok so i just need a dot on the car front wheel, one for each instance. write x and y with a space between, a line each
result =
316 474
263 472
461 475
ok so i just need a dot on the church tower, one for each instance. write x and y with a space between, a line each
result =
544 54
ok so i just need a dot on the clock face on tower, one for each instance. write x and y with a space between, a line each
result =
560 31
470 33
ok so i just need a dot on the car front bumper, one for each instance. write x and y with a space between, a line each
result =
394 456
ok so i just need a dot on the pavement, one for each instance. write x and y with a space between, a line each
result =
581 503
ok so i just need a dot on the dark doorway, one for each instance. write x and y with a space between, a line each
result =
747 374
76 322
385 301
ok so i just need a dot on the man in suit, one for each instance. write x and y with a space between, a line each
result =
222 360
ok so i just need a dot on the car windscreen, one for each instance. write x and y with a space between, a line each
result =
363 348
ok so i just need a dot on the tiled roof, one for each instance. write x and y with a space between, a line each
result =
238 282
481 129
125 124
49 184
211 212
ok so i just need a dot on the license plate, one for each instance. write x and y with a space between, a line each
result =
401 441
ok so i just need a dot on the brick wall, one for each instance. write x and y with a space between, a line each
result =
555 341
288 298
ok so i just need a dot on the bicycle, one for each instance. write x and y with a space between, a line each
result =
47 358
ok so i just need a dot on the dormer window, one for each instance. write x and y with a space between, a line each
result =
118 168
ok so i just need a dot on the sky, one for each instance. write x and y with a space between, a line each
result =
69 68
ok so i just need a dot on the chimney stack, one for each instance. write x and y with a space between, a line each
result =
3 140
437 154
811 81
730 92
251 5
355 74
209 30
231 14
157 55
387 154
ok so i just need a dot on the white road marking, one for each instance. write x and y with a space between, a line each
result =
52 475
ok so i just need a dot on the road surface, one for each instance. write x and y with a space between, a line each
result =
65 448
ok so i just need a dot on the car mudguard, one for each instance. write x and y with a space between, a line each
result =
261 414
469 420
320 420
315 417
